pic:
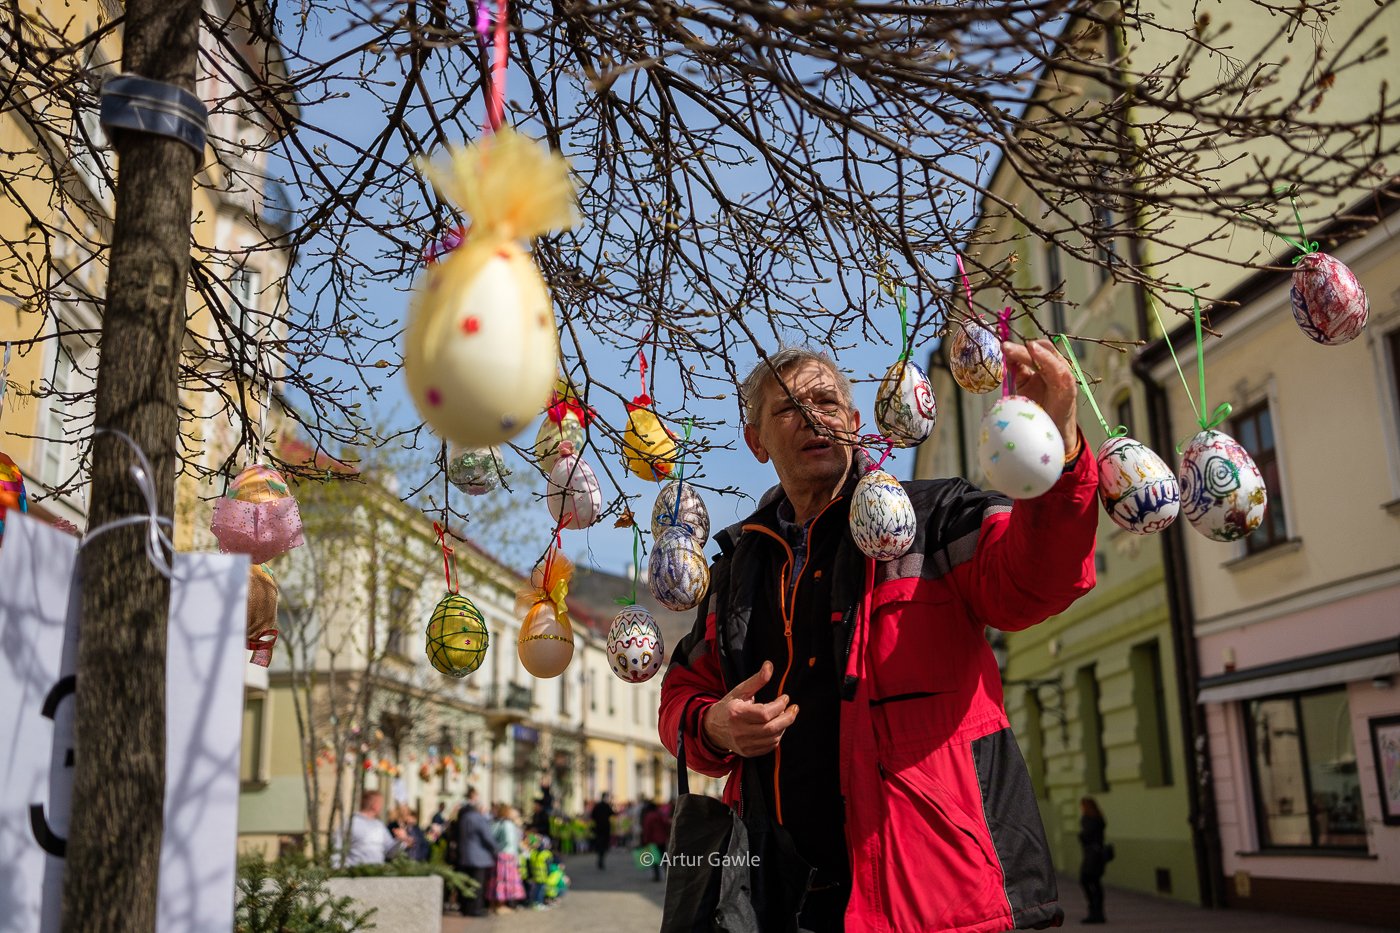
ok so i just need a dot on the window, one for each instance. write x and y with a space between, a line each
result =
1254 429
1105 241
91 156
65 415
400 605
1150 700
1392 346
1091 722
245 285
612 776
1056 283
1123 412
251 763
1034 736
612 709
1307 793
564 696
636 706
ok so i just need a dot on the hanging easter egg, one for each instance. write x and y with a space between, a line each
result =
556 438
635 647
1328 303
1136 488
678 574
457 636
477 471
574 496
546 644
258 517
882 517
690 514
12 494
1020 449
481 349
1223 494
974 357
649 448
905 409
262 614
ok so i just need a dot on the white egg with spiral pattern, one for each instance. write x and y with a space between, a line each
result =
1223 494
635 646
882 517
905 410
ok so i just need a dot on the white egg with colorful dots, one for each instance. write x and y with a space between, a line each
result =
1136 488
574 496
677 573
882 517
905 410
1223 494
635 646
1020 449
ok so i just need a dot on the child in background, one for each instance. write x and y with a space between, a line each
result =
540 859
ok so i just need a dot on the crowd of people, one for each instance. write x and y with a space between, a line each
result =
514 862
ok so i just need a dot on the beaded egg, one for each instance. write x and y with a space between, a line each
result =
1223 494
477 471
905 410
1136 488
457 636
691 513
882 517
678 574
1328 303
635 647
574 496
1019 448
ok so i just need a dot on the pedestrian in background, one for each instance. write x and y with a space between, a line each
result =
1091 866
476 851
602 828
656 830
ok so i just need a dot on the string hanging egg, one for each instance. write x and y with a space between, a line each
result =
1223 494
12 492
1328 302
635 646
481 349
477 471
677 573
1019 448
457 636
975 358
1136 488
574 496
905 410
258 517
882 517
691 514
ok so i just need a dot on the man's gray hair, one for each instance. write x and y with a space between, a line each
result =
788 358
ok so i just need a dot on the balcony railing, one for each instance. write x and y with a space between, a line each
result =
512 697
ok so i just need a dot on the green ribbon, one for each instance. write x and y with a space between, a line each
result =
1223 410
1303 245
1063 341
903 304
636 567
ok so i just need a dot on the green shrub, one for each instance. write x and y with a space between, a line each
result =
290 896
452 880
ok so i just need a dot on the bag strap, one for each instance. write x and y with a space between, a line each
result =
682 776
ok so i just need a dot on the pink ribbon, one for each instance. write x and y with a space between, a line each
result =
1008 387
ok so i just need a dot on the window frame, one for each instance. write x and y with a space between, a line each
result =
1251 544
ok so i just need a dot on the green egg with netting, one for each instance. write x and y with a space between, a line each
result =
457 636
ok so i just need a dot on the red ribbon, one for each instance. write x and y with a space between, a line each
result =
261 645
448 566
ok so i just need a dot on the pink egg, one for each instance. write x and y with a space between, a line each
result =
1328 303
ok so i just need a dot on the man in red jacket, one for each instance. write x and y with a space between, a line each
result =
855 705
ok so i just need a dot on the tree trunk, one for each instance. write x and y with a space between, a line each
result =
119 781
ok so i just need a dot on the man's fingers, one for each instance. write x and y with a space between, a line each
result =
747 689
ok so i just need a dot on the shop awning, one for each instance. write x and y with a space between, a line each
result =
1359 662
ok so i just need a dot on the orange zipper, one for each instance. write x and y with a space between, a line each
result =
787 613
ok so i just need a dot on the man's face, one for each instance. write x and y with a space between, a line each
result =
375 805
804 456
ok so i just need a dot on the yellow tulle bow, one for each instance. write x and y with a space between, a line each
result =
549 583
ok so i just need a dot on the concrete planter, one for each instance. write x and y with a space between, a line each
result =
405 905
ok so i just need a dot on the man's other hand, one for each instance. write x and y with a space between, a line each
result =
739 725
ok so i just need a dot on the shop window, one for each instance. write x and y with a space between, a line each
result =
1307 793
1254 429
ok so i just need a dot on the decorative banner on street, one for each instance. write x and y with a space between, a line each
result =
206 657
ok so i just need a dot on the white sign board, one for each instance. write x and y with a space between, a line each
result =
206 655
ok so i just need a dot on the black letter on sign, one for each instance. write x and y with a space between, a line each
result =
48 840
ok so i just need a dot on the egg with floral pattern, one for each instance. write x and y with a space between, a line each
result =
1223 494
1136 488
677 572
1328 303
882 517
635 646
1019 448
975 358
690 514
905 409
574 496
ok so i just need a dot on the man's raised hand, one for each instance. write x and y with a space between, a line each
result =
739 725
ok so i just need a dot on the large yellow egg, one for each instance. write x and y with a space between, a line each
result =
481 349
545 645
